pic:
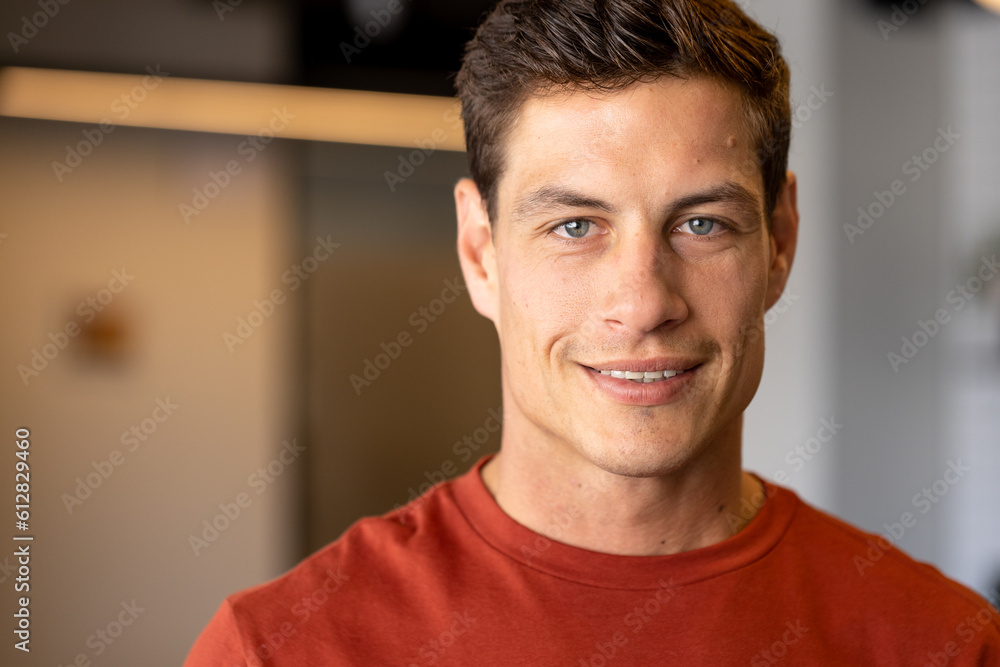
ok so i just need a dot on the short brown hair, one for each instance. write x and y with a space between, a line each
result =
527 47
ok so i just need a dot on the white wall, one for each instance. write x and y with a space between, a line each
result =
890 94
972 342
906 85
797 390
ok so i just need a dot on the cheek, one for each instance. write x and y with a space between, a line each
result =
540 302
747 325
731 297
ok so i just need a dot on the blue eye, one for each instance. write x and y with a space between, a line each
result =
703 226
575 229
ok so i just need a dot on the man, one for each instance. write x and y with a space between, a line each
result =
628 223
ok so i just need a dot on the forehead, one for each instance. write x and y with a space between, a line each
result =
650 140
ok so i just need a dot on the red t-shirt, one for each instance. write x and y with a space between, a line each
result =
450 579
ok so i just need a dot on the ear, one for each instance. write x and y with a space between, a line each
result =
784 235
476 251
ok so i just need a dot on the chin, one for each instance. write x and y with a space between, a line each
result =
638 456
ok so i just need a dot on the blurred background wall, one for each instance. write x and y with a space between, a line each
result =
198 415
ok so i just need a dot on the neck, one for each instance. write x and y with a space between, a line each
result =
568 499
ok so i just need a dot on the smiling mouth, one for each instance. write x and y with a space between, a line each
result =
642 377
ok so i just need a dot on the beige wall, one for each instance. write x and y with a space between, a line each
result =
129 539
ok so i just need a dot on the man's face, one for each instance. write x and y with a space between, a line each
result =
627 239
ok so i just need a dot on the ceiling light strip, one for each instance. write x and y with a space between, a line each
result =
228 107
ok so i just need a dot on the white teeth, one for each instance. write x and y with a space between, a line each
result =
642 376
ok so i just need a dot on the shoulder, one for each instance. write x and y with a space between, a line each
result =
875 555
376 554
375 575
882 584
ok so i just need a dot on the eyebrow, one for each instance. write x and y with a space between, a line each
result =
728 192
550 197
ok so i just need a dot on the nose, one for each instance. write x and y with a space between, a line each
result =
643 282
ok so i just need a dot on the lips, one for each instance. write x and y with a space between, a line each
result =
640 370
642 376
643 381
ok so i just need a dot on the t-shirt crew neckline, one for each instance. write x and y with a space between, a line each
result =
593 568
